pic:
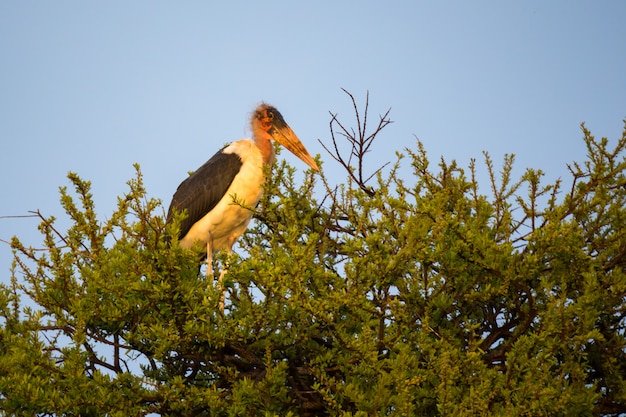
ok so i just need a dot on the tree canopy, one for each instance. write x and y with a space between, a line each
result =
374 295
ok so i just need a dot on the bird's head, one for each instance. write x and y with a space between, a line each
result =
268 119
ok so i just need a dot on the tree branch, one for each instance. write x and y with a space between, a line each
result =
360 143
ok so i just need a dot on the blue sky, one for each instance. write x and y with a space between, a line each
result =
95 87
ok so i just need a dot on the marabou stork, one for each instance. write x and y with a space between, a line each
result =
216 195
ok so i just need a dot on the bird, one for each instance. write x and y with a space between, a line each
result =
218 196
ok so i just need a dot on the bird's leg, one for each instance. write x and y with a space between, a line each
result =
221 289
220 281
209 274
209 260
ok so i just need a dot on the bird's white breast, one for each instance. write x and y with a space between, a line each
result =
228 220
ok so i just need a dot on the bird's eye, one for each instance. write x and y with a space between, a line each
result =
265 117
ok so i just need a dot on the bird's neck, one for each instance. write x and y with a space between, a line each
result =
264 144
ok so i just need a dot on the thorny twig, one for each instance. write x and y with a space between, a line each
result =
360 142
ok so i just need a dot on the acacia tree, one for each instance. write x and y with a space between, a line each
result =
377 296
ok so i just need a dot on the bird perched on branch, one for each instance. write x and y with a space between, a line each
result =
217 196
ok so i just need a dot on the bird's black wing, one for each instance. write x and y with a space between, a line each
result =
203 189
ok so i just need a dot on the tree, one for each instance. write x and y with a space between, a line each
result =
378 296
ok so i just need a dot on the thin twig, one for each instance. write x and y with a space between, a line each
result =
360 143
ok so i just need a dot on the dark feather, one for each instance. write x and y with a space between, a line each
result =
203 189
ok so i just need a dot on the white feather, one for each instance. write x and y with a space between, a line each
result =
223 225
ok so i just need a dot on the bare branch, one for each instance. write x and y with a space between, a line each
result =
22 216
360 143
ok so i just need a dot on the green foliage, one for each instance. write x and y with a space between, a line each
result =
386 296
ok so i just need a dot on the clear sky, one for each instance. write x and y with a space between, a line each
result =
93 87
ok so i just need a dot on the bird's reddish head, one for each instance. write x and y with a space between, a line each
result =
269 118
268 123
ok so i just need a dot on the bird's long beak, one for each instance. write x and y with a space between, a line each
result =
286 137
